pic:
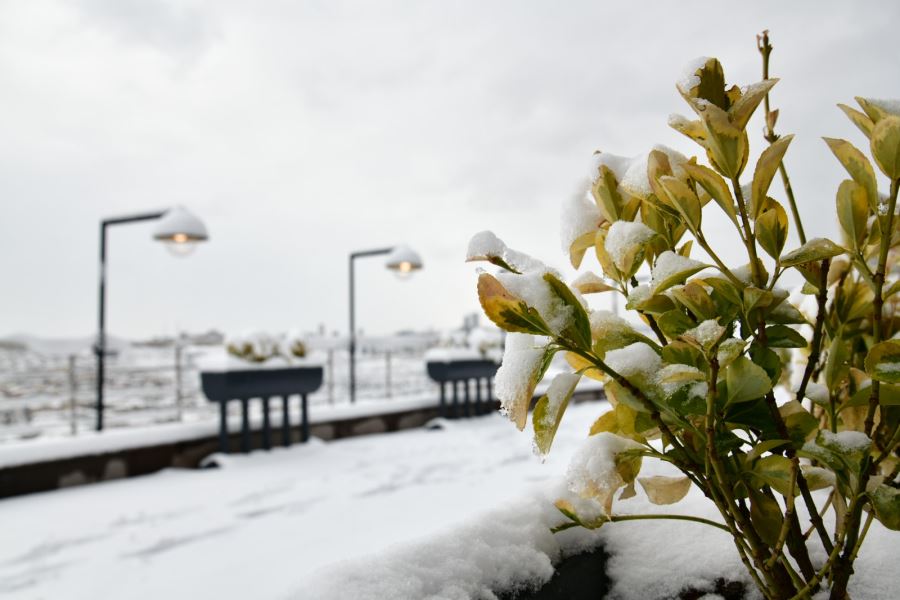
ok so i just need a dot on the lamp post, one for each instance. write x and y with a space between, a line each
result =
180 230
403 260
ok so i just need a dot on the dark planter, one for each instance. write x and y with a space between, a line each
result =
583 577
464 374
263 384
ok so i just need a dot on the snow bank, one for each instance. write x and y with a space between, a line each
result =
507 549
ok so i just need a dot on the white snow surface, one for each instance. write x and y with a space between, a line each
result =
484 244
454 513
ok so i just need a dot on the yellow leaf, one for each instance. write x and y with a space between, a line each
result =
766 167
743 109
859 119
858 166
715 186
772 230
853 212
507 311
665 490
886 146
684 199
588 283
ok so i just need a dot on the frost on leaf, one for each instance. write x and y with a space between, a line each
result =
524 360
604 464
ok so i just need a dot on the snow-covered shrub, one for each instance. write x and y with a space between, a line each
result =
702 379
258 346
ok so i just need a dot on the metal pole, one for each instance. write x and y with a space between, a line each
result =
100 345
330 376
73 415
387 382
179 410
352 333
354 256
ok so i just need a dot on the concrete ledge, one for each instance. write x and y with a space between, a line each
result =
95 464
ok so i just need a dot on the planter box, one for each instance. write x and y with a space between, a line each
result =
462 373
262 384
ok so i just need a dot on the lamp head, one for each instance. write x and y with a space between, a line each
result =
403 260
180 230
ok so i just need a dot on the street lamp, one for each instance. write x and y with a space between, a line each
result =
401 259
180 231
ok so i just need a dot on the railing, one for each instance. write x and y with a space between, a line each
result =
44 395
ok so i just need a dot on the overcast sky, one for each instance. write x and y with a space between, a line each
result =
301 131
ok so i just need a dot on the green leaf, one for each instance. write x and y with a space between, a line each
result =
886 146
775 471
765 514
858 166
886 502
579 328
508 312
762 447
766 167
768 360
549 410
816 249
729 350
782 336
674 323
883 361
755 297
836 367
682 353
746 381
772 230
618 394
853 212
715 186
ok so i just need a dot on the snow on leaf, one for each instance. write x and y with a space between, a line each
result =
883 361
601 467
815 250
524 362
550 408
671 269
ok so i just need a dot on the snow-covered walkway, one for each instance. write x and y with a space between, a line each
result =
418 514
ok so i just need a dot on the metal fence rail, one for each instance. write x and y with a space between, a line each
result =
43 396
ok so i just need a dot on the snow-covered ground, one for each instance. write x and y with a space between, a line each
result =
440 513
